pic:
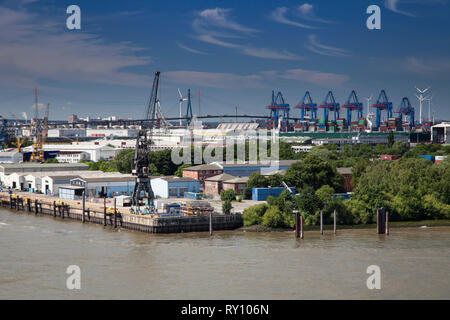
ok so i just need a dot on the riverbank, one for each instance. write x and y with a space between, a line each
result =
392 224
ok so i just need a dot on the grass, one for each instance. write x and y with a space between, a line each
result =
392 224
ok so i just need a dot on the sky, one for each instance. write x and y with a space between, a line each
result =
234 52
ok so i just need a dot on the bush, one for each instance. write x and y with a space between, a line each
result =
227 195
254 214
226 207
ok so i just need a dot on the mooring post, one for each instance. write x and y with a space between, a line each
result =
378 221
104 211
54 208
387 222
334 221
297 224
35 206
29 204
84 206
62 210
115 214
210 224
301 227
10 201
321 222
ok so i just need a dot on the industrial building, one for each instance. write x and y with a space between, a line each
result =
440 133
96 152
10 157
214 185
173 186
10 168
347 174
72 156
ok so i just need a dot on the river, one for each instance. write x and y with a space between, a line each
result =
119 264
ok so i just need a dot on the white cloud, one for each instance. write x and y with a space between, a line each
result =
392 5
279 15
435 67
315 46
214 26
188 49
232 80
306 12
31 49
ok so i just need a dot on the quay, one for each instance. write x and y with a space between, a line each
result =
118 217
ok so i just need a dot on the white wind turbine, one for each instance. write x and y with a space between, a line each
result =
370 115
421 99
181 100
429 107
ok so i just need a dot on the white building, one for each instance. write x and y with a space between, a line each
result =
66 132
95 151
440 133
111 132
72 156
11 157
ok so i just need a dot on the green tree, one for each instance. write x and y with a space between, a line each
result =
179 171
254 214
226 207
228 195
390 139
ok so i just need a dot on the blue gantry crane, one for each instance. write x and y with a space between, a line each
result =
382 104
352 105
329 105
308 107
279 111
406 109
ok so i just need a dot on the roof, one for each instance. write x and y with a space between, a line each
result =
221 177
237 180
25 165
107 179
70 152
211 166
66 186
281 163
8 153
344 170
176 179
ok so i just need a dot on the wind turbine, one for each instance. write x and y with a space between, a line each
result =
429 107
181 100
368 103
421 99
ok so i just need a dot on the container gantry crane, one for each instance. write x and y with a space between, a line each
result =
279 112
382 104
352 105
142 187
407 110
330 104
308 107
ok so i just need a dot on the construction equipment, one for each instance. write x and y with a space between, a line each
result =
330 105
142 187
36 129
18 143
407 110
353 104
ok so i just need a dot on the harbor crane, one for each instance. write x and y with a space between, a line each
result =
352 105
407 110
330 104
382 104
279 112
142 187
307 106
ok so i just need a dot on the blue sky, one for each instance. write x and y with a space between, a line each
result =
233 52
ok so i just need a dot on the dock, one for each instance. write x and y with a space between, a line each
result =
119 218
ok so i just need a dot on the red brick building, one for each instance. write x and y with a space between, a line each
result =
213 185
347 174
202 172
236 184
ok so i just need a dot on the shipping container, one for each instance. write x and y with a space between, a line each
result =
428 157
261 194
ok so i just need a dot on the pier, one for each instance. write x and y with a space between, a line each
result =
118 218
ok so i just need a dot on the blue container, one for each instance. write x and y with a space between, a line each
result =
430 158
261 194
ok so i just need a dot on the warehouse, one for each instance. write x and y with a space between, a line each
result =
214 185
440 133
172 186
101 185
10 157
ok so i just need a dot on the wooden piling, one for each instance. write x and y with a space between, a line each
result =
115 214
104 211
210 224
387 222
334 221
297 224
35 206
321 222
62 210
301 227
54 208
84 206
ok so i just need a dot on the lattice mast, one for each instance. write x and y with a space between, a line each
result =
142 188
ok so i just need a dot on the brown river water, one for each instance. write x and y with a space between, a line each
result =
119 264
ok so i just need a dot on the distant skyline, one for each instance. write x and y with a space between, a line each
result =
234 52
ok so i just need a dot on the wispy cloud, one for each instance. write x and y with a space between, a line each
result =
436 67
215 26
188 49
315 46
290 16
392 5
279 15
32 49
232 80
